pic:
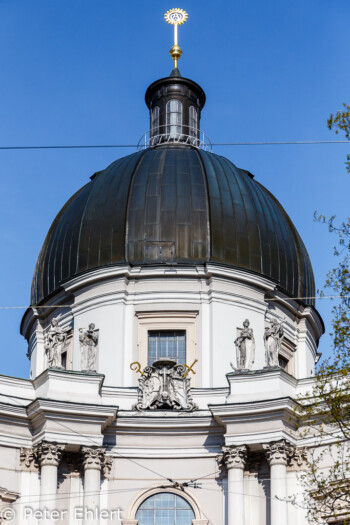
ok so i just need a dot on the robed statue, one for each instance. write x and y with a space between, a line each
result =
55 341
245 348
273 337
88 340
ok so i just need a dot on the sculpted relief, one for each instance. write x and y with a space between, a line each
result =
88 340
165 385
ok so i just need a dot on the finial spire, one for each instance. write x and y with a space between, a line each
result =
175 17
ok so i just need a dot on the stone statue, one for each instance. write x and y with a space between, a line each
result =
54 344
165 385
245 347
273 337
88 346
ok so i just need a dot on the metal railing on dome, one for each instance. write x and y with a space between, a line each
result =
196 138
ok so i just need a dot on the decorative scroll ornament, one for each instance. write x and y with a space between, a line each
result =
55 341
273 337
245 348
165 385
49 453
88 340
279 452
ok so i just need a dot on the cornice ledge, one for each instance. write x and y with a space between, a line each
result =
262 375
98 274
68 375
251 407
13 410
84 410
153 421
240 275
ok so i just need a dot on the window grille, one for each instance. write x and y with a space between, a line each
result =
167 345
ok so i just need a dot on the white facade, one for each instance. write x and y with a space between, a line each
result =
71 440
209 302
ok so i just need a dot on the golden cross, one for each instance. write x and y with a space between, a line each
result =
190 368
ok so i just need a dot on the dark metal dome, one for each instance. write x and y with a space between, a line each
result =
173 205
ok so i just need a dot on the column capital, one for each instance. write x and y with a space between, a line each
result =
49 453
298 460
28 459
235 456
278 452
93 457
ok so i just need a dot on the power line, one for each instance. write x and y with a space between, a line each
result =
106 146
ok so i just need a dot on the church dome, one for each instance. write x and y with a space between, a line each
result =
173 204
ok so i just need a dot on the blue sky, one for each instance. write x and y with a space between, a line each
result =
75 72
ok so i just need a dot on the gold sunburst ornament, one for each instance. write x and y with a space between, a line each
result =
176 17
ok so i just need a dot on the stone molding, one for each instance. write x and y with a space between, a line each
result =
93 457
235 456
49 453
28 459
278 452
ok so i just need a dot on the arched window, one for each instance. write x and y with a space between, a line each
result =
173 118
155 121
193 122
165 507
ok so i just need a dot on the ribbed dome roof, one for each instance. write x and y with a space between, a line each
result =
173 205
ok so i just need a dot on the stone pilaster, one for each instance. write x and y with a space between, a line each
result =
107 467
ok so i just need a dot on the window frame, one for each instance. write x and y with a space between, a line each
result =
136 502
155 128
179 120
167 321
193 130
154 509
